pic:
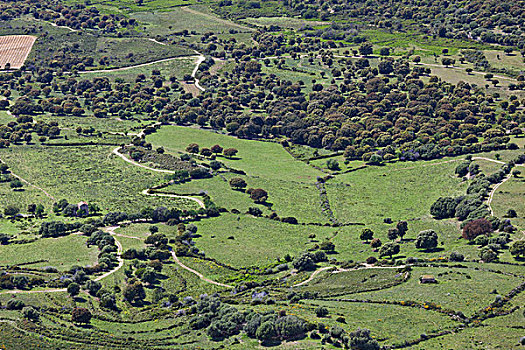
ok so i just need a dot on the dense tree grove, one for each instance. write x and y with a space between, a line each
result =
78 16
366 114
487 21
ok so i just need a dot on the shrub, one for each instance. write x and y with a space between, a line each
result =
371 260
237 183
455 256
30 313
427 239
304 262
476 228
266 331
488 255
443 207
321 311
289 220
389 249
376 243
289 327
366 235
15 304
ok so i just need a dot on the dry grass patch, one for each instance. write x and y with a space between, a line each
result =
14 49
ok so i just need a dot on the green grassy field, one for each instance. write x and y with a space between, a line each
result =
389 324
510 196
465 290
87 173
486 337
253 156
70 123
289 183
513 61
283 22
185 18
142 49
393 190
61 253
5 117
218 189
256 241
301 70
177 68
331 283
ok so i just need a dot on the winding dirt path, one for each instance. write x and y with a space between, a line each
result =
198 274
147 191
139 65
312 276
491 194
194 72
30 184
111 231
156 41
488 159
169 195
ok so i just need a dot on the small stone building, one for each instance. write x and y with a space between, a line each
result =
427 279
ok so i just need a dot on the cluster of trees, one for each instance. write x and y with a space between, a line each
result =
184 166
258 195
78 16
213 151
170 216
367 114
157 249
221 321
63 207
476 20
57 228
21 130
478 225
20 281
308 260
107 257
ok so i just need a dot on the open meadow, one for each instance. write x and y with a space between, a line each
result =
217 174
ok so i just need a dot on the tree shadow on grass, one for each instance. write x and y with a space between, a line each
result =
434 250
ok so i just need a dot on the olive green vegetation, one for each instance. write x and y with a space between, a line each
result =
61 253
242 240
192 19
176 67
357 198
465 290
401 191
288 182
89 173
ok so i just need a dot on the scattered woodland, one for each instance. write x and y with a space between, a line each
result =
262 174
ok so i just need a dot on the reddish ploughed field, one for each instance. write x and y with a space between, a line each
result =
14 49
